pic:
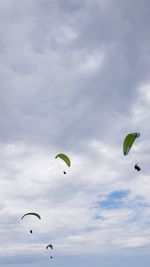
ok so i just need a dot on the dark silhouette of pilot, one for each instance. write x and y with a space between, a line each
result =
136 167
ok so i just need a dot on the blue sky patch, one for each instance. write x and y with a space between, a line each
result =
114 200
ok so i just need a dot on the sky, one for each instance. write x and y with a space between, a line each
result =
74 79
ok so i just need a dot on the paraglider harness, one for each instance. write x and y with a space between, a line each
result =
136 167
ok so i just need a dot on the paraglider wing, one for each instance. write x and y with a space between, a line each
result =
32 213
128 142
65 158
49 246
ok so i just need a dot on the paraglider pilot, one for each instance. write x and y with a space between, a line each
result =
136 167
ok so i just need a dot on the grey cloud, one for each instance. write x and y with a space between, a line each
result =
70 76
55 102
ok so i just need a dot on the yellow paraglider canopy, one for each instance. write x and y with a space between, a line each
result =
128 142
65 158
32 213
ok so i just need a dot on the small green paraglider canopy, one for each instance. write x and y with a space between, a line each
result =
128 142
49 246
65 158
32 213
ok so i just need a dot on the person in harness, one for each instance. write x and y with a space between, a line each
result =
136 167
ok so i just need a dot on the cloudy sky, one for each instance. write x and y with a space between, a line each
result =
74 78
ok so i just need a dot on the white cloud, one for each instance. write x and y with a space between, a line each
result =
33 181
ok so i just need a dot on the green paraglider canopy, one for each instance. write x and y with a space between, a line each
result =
128 142
49 246
32 213
65 158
